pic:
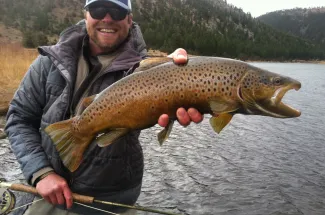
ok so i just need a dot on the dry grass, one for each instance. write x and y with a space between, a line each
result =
14 62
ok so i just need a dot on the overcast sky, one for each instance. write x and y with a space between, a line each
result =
260 7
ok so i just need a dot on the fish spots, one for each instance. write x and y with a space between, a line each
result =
163 85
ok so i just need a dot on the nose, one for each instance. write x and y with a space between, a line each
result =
107 18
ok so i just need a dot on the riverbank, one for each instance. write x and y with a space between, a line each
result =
157 53
289 61
14 62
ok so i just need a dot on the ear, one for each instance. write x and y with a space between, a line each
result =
85 14
130 19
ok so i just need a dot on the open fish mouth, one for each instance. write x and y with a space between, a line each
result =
279 108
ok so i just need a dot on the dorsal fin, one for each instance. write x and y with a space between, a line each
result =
152 62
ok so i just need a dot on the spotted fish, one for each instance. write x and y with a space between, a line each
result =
217 86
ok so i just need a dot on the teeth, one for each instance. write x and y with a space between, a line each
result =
107 30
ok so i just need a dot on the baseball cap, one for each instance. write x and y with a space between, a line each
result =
126 4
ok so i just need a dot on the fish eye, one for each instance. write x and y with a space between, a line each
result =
277 81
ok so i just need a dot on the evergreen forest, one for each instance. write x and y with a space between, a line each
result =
202 27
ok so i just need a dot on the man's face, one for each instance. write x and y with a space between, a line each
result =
107 34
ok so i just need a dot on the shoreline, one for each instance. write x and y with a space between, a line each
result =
288 61
157 53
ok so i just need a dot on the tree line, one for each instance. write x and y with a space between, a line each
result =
203 27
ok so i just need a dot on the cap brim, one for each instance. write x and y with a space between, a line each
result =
112 1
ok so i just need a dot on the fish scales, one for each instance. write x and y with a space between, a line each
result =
217 86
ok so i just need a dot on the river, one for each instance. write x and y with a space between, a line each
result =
257 165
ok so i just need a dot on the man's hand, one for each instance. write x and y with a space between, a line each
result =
184 117
179 56
54 189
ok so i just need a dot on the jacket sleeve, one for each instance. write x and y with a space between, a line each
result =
23 120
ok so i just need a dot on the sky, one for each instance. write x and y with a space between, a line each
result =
260 7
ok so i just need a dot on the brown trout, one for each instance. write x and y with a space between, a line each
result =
217 86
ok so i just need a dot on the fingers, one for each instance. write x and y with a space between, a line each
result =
59 198
195 115
68 197
163 120
54 197
179 56
54 189
183 117
50 199
186 117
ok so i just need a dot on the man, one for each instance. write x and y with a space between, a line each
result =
89 57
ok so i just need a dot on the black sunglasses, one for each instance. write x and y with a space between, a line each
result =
99 12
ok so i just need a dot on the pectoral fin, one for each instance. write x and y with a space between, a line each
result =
220 106
219 122
164 134
109 137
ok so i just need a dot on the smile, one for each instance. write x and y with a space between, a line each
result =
106 30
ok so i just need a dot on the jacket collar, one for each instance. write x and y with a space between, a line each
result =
69 47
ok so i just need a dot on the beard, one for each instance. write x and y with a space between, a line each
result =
105 46
108 47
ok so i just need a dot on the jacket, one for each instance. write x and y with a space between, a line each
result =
44 97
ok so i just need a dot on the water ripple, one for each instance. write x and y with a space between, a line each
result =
257 165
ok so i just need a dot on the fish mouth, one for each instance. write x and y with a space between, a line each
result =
273 106
279 108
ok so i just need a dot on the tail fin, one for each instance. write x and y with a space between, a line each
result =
70 147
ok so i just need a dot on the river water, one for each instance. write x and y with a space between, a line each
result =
257 165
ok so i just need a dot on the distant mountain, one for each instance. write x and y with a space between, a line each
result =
305 23
204 27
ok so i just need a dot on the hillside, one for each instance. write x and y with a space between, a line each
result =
305 23
205 27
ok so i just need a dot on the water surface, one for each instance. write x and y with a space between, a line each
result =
257 165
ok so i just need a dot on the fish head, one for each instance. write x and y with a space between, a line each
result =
261 93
